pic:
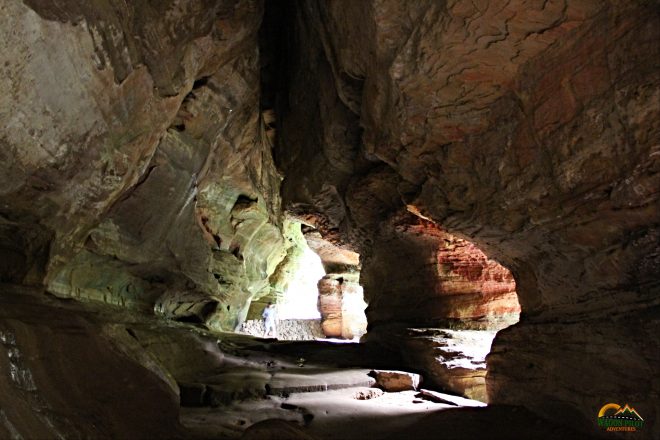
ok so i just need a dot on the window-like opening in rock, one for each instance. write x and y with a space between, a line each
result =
316 291
300 299
438 300
341 298
471 298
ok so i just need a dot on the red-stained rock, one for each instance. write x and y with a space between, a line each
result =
342 307
530 129
341 299
136 164
452 279
330 306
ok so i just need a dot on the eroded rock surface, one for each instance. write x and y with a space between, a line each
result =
393 381
341 305
62 375
287 329
341 297
530 129
417 272
136 170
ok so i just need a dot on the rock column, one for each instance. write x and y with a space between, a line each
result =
342 307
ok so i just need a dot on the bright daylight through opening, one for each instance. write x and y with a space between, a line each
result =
300 298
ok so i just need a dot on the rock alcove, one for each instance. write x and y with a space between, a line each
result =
157 159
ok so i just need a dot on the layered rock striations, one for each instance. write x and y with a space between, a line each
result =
530 129
341 305
420 281
420 274
341 297
136 168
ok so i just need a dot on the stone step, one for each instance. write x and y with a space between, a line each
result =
246 383
306 380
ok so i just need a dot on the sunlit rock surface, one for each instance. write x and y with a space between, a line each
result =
138 173
97 371
135 164
340 294
342 306
530 129
286 273
287 329
417 272
453 360
394 381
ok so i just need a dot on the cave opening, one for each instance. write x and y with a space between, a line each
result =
165 164
440 300
316 291
476 299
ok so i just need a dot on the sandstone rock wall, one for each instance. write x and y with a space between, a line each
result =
135 168
285 272
341 305
341 297
530 129
418 273
64 375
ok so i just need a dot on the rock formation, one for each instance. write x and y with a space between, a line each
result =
396 380
340 302
342 307
418 273
136 166
287 329
530 129
484 158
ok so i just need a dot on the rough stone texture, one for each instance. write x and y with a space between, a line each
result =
394 381
449 399
62 375
341 305
341 298
275 430
134 165
438 278
530 129
441 280
287 329
284 273
334 258
90 370
452 360
368 394
330 306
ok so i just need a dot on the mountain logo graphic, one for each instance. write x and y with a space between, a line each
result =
614 417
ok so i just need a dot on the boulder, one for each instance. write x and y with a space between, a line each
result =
393 381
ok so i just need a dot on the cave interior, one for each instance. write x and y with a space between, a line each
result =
477 181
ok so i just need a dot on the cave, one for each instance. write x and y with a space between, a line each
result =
317 294
478 179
